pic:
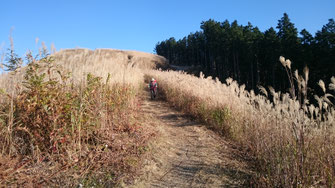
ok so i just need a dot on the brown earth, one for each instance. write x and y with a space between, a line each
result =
187 154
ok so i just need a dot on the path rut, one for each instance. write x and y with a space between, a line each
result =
187 154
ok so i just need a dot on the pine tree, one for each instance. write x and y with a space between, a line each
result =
325 48
288 35
269 53
13 61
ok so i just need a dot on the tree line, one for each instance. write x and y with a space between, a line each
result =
244 53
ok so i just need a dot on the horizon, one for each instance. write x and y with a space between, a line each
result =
140 26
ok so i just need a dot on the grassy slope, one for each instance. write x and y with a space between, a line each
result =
292 142
65 117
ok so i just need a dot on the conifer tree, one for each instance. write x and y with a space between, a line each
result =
13 61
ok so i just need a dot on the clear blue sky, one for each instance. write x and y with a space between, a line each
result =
140 24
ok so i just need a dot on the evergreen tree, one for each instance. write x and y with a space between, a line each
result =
13 61
288 36
306 37
269 53
325 48
307 44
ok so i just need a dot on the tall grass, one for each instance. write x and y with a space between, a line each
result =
70 118
292 140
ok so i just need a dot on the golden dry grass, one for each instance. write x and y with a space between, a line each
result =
71 114
294 142
124 66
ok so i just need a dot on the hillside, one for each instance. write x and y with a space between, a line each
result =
87 57
81 118
100 62
71 118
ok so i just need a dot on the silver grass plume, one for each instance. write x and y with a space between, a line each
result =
311 109
325 98
325 105
296 74
242 89
288 63
201 75
319 100
306 72
272 91
322 85
229 81
53 48
316 110
282 61
263 90
332 84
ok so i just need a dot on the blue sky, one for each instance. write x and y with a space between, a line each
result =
140 24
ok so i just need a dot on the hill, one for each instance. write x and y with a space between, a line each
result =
87 57
80 117
71 118
100 62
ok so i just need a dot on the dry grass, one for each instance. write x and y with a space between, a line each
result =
123 66
58 127
71 118
293 141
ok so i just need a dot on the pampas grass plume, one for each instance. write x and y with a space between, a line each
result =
306 72
332 84
322 85
288 63
282 61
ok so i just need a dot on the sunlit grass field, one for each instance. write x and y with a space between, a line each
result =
66 115
71 118
291 140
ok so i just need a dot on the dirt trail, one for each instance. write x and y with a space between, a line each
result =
187 154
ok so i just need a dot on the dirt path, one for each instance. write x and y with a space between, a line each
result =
186 154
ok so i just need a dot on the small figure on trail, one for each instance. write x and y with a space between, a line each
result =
153 88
